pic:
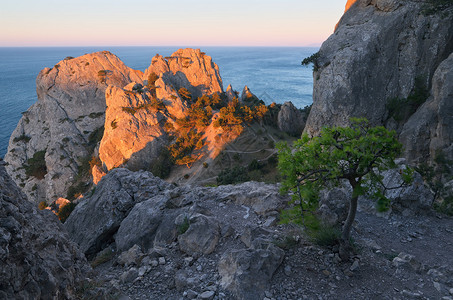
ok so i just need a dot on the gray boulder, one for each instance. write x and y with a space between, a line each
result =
101 215
202 235
144 222
247 272
37 259
334 205
416 197
290 119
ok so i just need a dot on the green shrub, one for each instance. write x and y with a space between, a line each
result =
77 190
312 59
23 137
114 124
42 205
65 211
325 236
102 257
36 166
161 167
96 136
402 108
232 176
129 110
254 165
205 165
184 226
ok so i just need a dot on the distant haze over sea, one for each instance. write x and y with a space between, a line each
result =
272 74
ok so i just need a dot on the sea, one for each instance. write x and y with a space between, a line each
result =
274 74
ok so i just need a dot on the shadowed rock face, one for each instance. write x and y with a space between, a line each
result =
430 129
37 261
378 50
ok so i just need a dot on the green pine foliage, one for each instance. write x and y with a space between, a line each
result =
357 154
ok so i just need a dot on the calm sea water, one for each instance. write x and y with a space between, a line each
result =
273 74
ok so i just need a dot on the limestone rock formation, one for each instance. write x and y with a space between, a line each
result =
188 68
37 261
290 119
60 125
430 130
378 52
133 130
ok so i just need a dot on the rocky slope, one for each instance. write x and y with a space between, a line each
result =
383 50
155 240
37 261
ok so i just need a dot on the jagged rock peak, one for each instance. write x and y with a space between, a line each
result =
190 68
230 93
36 258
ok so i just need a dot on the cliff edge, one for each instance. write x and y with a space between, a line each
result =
380 63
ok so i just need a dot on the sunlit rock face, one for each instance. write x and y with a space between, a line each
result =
377 53
133 129
188 68
70 107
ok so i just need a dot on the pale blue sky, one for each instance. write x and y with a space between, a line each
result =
177 22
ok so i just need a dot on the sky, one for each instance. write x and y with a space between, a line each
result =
167 23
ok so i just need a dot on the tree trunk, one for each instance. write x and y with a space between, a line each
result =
345 244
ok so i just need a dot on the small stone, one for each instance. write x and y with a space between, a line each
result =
437 286
154 263
191 294
143 270
287 270
199 268
161 260
129 275
268 294
451 291
354 266
207 295
188 260
326 272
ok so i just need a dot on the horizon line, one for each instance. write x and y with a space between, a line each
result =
189 46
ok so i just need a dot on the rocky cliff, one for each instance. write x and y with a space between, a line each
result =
37 261
57 132
83 100
383 51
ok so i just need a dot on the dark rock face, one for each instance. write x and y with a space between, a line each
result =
37 261
430 129
290 119
377 52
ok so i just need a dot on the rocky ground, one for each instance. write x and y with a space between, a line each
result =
234 249
397 258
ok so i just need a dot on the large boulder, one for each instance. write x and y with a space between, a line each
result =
247 272
96 219
202 235
378 52
62 124
37 260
